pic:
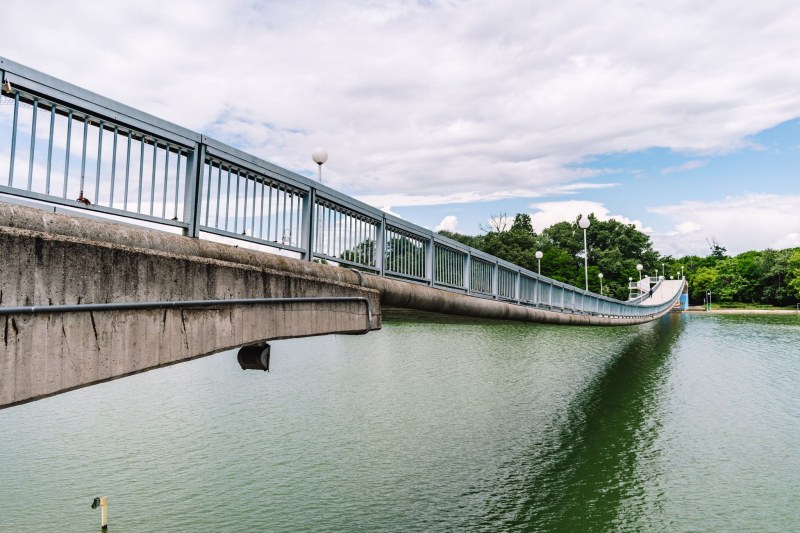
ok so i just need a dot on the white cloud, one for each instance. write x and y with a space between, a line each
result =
415 100
688 227
740 223
549 213
448 223
388 209
689 165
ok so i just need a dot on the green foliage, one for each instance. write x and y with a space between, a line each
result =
702 280
794 273
729 284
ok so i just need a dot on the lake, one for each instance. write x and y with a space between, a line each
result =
688 423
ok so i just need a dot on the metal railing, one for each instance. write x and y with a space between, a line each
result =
67 146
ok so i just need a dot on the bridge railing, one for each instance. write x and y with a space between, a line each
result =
67 146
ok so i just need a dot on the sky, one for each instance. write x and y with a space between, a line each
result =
680 117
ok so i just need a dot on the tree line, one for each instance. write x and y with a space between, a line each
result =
769 277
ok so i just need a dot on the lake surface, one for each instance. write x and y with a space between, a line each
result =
689 423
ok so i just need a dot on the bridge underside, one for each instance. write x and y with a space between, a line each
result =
51 259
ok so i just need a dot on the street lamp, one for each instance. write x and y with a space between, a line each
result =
600 275
708 293
639 267
663 270
584 223
539 255
319 155
681 271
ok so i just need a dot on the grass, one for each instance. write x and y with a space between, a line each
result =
746 306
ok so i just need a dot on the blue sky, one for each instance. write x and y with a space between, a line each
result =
681 118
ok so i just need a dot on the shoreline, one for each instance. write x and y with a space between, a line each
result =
744 312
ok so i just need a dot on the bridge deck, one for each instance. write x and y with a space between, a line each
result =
664 293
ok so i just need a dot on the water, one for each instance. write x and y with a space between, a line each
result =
690 423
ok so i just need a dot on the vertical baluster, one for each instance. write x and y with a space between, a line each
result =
178 182
269 210
66 153
236 202
261 211
153 177
83 153
166 181
227 197
283 236
319 245
246 195
219 192
33 143
127 171
141 175
13 141
113 167
253 215
99 160
292 229
298 213
50 147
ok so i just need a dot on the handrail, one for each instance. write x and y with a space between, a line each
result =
102 156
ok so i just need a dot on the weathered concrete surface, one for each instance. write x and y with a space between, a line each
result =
42 355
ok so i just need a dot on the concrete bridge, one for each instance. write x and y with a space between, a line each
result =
88 293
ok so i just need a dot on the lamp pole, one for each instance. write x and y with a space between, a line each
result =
708 293
600 275
639 267
319 156
539 255
584 224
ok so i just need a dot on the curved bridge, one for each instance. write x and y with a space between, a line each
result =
74 159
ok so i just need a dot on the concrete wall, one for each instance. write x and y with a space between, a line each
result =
45 354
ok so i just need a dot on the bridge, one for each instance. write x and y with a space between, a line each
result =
130 243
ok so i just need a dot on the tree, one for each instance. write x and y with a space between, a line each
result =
702 281
794 273
729 284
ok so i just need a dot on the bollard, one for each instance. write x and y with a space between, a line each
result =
102 502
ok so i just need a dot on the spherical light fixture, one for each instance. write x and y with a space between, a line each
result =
319 156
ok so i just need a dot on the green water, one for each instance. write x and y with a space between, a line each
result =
691 423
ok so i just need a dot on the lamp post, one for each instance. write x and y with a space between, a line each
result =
708 293
681 271
539 255
639 267
600 275
319 155
584 224
663 270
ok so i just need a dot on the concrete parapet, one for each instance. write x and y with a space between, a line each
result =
392 292
85 261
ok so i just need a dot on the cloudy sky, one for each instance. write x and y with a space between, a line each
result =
681 117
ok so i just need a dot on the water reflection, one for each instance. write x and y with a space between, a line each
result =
585 471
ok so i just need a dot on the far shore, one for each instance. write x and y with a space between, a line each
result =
743 311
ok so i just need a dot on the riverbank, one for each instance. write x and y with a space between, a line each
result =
703 310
